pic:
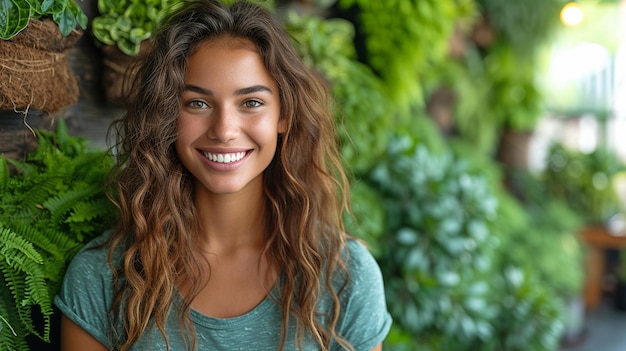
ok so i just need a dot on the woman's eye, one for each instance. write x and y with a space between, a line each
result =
252 103
197 104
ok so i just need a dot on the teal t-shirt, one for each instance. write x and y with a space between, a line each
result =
87 292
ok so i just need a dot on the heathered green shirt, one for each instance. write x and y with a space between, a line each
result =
87 293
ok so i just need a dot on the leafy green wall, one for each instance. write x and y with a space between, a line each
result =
467 264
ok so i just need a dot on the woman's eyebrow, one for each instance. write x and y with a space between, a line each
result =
253 89
199 90
242 91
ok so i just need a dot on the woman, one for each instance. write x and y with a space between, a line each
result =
231 194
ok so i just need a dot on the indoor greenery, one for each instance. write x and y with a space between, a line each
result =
584 180
364 114
50 205
445 258
437 246
524 25
427 209
127 23
15 14
496 90
497 82
416 34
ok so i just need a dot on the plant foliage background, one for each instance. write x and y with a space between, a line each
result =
468 264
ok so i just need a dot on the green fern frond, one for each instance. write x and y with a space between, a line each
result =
14 247
38 294
4 323
15 282
58 163
30 195
96 162
87 210
60 204
33 236
23 168
22 269
67 244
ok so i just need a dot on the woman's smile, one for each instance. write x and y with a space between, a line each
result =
225 160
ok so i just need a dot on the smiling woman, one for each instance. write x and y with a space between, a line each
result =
231 195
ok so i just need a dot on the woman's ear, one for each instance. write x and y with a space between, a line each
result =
282 126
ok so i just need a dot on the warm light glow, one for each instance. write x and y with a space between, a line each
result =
572 14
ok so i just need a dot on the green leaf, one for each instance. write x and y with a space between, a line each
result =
138 35
66 21
79 14
128 47
14 16
100 29
105 6
15 249
35 6
52 6
137 12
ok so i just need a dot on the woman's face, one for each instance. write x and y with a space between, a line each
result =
229 120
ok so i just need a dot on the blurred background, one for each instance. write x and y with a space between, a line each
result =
486 141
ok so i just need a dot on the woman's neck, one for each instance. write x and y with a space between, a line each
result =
230 222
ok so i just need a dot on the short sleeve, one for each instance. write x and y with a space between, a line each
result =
86 292
365 320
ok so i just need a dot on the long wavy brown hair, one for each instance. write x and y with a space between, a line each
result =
306 189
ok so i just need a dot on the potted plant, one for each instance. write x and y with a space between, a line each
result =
49 208
35 36
122 30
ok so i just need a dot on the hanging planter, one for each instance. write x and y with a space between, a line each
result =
34 38
37 81
35 69
122 30
118 71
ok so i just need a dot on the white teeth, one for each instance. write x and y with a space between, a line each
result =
225 158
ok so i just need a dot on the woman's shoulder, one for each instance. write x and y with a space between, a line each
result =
362 272
364 319
87 289
91 263
359 259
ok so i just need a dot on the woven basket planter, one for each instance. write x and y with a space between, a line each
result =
34 73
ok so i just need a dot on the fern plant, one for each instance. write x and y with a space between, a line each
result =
52 204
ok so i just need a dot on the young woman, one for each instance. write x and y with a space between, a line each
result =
231 194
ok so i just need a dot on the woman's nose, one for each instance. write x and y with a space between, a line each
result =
224 125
